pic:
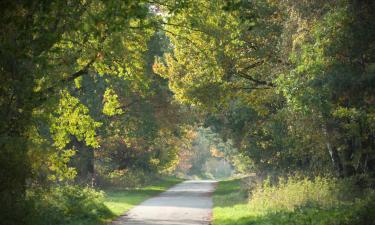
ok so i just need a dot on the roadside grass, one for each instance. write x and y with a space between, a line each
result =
75 205
230 204
121 200
297 201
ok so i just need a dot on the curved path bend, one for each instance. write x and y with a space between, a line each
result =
187 203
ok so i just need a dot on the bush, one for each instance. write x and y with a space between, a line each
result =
125 178
360 212
321 201
66 205
293 192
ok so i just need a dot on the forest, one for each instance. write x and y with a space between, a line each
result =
99 95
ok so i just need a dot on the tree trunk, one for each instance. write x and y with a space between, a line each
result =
13 174
16 106
332 150
348 167
335 157
14 162
83 161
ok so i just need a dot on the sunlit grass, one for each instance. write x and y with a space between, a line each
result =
230 204
310 202
121 200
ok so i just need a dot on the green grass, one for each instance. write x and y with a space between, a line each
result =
317 202
230 204
120 200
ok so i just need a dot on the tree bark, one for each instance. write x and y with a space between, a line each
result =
83 161
333 152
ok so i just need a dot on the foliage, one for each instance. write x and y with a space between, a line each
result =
286 82
72 119
77 205
125 179
78 77
67 204
296 201
111 106
58 42
206 156
97 92
295 192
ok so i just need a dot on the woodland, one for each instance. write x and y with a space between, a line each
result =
98 94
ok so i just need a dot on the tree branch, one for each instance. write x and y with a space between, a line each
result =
198 48
183 26
250 88
251 66
73 76
256 81
43 94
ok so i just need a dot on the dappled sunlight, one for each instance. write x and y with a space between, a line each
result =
108 105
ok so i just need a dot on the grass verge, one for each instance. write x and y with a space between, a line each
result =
121 200
321 201
230 204
74 205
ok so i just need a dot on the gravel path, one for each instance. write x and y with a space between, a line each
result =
188 203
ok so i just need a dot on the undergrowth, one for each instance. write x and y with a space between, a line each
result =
77 205
302 201
67 205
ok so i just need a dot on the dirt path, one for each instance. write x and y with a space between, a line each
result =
188 203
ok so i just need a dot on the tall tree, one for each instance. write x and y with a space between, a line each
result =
46 45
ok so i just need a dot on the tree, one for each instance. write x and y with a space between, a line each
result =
263 70
46 46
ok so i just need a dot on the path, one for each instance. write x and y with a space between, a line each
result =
188 203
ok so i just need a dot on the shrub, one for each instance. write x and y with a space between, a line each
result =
125 178
66 204
319 201
359 212
293 192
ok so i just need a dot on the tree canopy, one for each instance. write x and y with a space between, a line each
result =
94 92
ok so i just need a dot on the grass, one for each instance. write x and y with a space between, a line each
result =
121 200
296 201
230 204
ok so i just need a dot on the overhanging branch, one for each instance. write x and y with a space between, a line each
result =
73 76
256 81
42 95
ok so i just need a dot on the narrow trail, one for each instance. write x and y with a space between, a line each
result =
188 203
